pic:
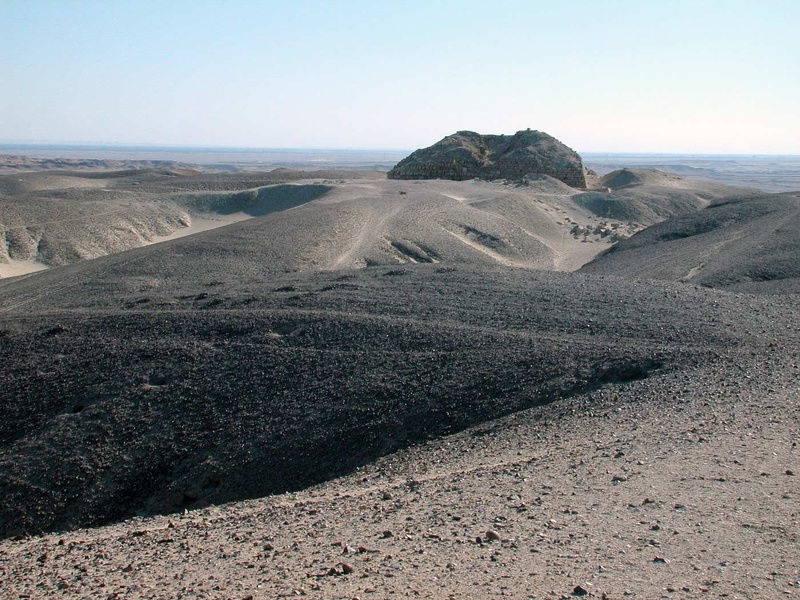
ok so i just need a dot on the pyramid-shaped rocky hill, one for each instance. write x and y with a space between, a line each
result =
469 155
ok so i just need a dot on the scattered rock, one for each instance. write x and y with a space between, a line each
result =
492 535
342 568
55 330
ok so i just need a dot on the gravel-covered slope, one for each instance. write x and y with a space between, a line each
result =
250 360
126 393
748 243
679 486
650 449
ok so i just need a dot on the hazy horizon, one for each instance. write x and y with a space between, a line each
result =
90 146
631 77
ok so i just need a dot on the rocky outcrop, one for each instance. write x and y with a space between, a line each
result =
470 155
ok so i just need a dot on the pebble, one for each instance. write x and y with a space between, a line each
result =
491 534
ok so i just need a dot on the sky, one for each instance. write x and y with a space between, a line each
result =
701 76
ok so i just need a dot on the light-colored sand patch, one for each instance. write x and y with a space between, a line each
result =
370 229
503 260
200 224
454 197
693 272
20 267
573 254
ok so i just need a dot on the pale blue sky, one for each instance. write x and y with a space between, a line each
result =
621 76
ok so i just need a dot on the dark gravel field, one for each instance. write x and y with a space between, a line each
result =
213 387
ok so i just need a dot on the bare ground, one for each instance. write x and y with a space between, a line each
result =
618 494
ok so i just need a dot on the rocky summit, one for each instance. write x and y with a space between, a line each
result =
470 155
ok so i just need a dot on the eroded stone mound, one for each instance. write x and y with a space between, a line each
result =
469 155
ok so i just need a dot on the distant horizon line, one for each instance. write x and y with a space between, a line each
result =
132 145
155 146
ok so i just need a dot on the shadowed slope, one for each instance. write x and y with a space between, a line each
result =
747 244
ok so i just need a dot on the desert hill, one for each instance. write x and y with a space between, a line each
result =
468 155
168 332
648 196
57 218
53 218
748 243
623 178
